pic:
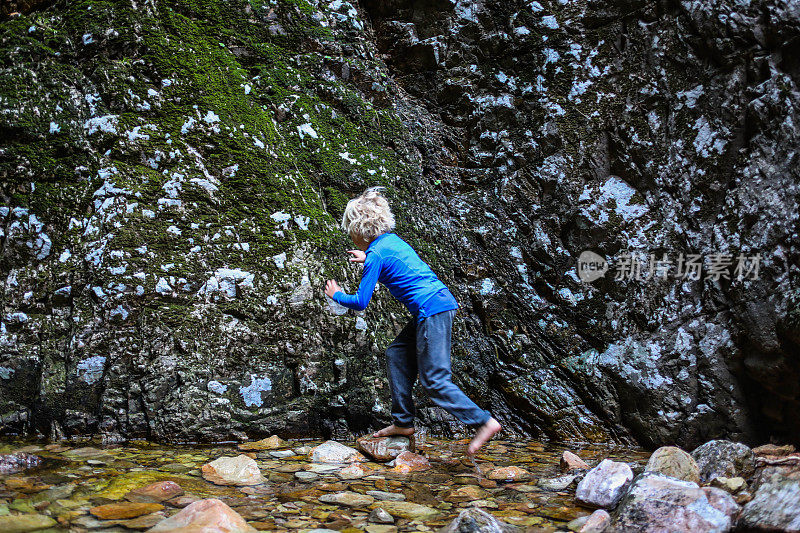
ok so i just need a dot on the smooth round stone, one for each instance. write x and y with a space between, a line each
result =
282 453
354 471
674 462
510 473
569 461
239 470
113 511
384 448
731 485
25 522
348 498
290 468
412 511
465 493
306 476
270 443
331 451
410 462
386 496
141 522
324 468
155 492
204 515
557 483
604 485
176 467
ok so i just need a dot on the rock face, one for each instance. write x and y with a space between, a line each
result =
656 503
186 206
604 485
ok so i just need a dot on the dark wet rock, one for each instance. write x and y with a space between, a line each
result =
604 485
17 462
656 503
384 448
724 458
475 520
674 462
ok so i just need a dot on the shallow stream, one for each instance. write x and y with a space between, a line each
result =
75 477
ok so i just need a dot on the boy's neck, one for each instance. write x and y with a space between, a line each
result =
374 240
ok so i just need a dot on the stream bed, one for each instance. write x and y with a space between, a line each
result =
75 477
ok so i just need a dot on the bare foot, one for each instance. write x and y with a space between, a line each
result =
484 433
393 430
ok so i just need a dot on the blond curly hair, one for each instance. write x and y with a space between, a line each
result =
368 215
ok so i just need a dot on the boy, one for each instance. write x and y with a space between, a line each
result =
424 343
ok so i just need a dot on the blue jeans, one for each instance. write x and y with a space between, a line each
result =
425 347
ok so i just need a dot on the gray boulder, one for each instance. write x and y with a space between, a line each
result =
724 458
604 485
656 503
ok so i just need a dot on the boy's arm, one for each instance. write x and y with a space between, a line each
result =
369 277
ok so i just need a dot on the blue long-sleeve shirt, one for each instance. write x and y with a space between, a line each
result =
393 262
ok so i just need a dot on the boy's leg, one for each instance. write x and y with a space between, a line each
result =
433 358
401 362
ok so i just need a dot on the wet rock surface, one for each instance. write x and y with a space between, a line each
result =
173 175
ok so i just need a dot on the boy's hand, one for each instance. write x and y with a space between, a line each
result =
331 287
358 256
